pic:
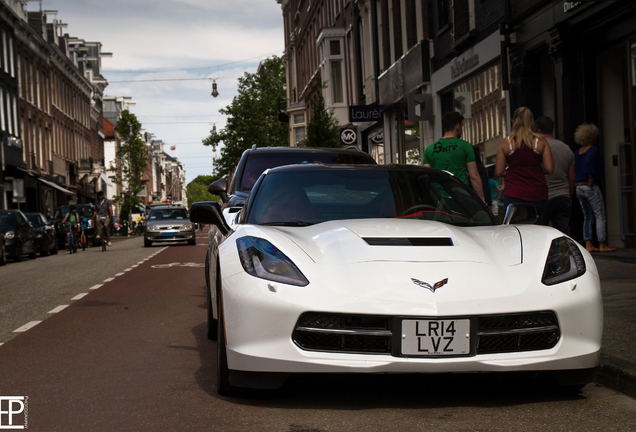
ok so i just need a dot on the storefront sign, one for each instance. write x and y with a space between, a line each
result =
463 103
420 107
349 136
378 138
459 67
406 74
365 113
568 6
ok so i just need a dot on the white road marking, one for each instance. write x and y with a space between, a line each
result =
60 308
134 266
119 274
128 269
79 296
96 286
1 343
109 280
26 327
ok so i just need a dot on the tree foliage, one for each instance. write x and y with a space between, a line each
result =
252 116
132 159
323 129
197 189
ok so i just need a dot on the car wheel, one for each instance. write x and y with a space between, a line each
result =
3 257
18 253
55 248
207 270
46 250
223 372
193 241
147 243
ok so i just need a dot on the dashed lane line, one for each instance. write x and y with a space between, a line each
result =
128 269
60 308
94 287
26 327
109 280
119 274
79 296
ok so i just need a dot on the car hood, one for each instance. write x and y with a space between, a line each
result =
355 241
5 229
169 222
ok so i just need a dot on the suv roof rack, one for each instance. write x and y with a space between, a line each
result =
352 147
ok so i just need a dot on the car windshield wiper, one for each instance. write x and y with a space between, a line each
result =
290 223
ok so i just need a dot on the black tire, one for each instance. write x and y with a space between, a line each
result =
193 241
212 323
3 256
55 248
84 244
147 243
46 250
34 253
224 387
18 253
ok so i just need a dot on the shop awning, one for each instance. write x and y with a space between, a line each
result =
53 185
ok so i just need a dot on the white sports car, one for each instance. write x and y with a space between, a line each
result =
392 269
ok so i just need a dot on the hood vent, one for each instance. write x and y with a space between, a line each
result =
408 241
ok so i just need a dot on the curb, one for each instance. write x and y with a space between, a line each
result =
617 374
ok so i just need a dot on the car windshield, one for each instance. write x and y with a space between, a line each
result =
167 213
304 198
34 219
257 163
7 219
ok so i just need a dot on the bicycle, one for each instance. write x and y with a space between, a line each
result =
83 239
101 230
71 239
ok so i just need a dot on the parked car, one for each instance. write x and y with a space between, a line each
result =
83 210
18 234
256 160
44 231
169 224
393 269
3 251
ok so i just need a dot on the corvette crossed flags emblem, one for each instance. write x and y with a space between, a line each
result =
433 288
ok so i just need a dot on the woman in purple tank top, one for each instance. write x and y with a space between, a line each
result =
528 158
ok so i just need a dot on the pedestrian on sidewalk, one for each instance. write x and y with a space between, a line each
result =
589 173
103 208
528 158
453 154
560 182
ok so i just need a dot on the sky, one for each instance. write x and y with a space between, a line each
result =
176 39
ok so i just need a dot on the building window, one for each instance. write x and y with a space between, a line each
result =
2 111
461 18
336 81
334 48
11 67
299 118
443 13
299 134
5 52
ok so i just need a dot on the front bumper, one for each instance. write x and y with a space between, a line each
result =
169 236
261 316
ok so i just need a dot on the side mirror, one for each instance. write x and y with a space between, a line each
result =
209 212
520 214
219 188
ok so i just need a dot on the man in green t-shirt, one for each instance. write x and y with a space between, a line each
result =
453 154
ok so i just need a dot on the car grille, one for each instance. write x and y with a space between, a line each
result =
517 332
343 333
369 334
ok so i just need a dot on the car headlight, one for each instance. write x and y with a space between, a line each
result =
9 235
152 228
564 262
263 260
186 227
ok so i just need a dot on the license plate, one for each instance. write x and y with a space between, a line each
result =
169 234
436 337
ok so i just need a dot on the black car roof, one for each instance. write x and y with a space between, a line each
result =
325 167
306 150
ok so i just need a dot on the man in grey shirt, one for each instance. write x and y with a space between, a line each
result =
103 211
560 182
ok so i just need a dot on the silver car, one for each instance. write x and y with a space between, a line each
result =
169 224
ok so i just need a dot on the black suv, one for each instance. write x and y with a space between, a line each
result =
252 164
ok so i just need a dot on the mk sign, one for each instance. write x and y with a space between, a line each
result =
348 136
13 412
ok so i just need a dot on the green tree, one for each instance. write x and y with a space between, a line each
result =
323 129
197 189
252 116
132 158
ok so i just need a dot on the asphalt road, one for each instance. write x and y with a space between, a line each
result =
132 355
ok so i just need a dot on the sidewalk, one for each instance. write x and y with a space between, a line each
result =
618 354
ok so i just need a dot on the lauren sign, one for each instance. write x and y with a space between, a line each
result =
365 113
